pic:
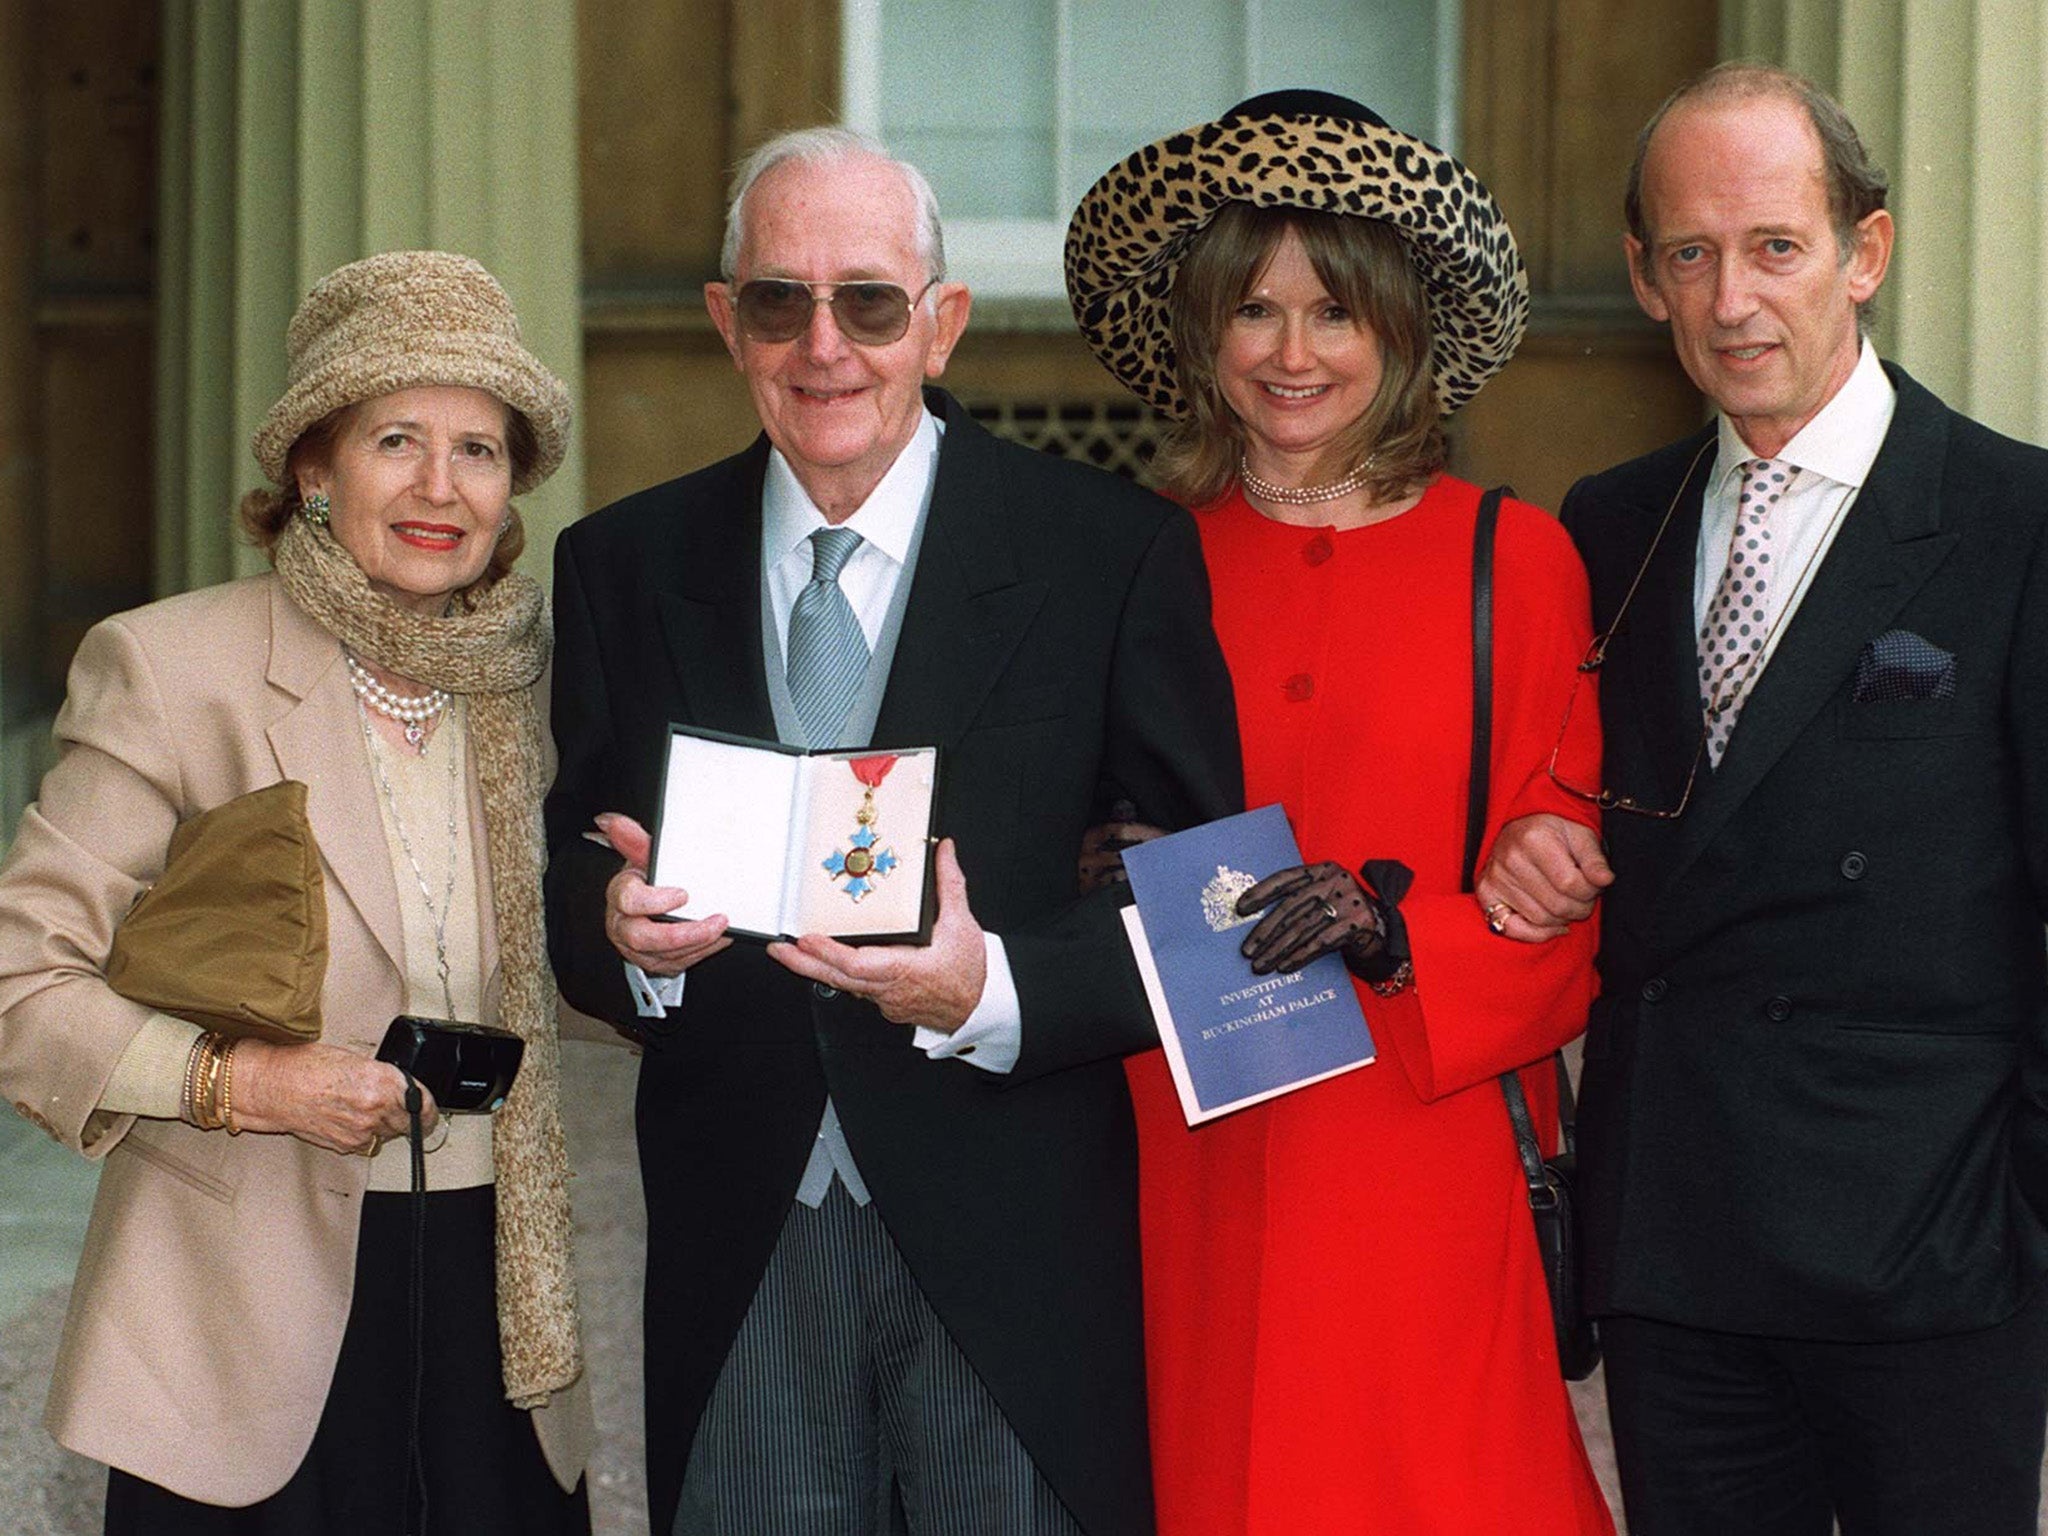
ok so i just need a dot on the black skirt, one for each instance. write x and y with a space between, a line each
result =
483 1465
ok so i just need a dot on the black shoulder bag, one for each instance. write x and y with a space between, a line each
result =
1550 1180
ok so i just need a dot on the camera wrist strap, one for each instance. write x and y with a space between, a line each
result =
416 1303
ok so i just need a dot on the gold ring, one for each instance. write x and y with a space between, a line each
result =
1497 916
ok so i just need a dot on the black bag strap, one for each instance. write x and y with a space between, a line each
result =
1475 833
1540 1192
1482 681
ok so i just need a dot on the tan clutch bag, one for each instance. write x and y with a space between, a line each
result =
234 936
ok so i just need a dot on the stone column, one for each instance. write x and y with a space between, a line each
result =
302 134
1951 97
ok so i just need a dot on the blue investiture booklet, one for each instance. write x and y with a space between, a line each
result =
1233 1038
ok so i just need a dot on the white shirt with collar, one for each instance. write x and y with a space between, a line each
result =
887 523
1832 454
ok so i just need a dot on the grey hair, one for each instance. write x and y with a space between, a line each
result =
826 146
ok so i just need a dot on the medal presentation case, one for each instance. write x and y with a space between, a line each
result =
786 842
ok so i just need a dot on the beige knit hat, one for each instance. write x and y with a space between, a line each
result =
401 320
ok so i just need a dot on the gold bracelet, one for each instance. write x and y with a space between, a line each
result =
207 1106
188 1108
217 1069
202 1069
227 1088
1396 984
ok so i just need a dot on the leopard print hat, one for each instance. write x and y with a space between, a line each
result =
1293 149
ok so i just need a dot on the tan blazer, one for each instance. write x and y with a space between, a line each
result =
216 1279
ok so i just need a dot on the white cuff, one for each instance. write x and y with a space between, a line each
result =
993 1036
653 996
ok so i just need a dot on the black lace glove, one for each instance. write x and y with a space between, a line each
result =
1103 845
1310 910
1314 909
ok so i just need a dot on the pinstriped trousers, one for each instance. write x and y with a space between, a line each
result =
845 1409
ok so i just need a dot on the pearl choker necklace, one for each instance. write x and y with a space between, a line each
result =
414 712
1305 495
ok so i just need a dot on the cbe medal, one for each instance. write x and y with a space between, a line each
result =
861 863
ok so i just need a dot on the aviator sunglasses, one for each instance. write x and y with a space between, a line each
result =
780 309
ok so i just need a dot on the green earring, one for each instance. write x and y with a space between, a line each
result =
314 509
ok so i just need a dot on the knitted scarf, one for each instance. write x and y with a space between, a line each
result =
491 650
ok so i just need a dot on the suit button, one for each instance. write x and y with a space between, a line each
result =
1299 688
1853 866
1778 1009
823 991
1318 549
1654 989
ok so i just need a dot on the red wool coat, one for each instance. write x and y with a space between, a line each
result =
1346 1325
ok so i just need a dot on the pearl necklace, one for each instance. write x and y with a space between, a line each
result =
415 712
1305 495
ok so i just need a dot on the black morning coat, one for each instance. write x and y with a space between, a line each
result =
1057 648
1814 1102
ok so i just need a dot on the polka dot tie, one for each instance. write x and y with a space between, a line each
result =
1737 626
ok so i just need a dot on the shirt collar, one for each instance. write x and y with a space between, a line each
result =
1842 440
887 519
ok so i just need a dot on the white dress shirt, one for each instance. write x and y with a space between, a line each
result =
887 522
1832 454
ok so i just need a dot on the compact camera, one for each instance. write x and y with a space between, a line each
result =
468 1068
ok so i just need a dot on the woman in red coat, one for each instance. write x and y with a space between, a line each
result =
1347 1328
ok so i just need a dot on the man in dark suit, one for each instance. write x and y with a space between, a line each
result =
891 1229
1813 1128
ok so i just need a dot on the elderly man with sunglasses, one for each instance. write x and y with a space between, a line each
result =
1814 1128
891 1275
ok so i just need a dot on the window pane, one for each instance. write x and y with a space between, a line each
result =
968 97
1138 71
1381 52
1014 107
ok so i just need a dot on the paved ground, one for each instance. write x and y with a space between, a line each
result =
43 1197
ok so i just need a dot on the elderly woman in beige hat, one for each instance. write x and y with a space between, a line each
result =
241 1346
1346 1322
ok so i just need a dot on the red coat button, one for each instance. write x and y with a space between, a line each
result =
1318 549
1299 687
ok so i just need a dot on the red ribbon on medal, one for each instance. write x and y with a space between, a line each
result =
871 770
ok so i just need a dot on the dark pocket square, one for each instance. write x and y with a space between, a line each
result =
1899 666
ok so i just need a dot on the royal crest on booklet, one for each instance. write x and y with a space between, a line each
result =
785 842
1233 1038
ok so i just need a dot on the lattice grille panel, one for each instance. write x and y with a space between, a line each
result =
1116 435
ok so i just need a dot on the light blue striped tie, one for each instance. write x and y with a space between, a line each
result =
828 654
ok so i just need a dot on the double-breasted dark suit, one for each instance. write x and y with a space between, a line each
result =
1056 646
1814 1098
